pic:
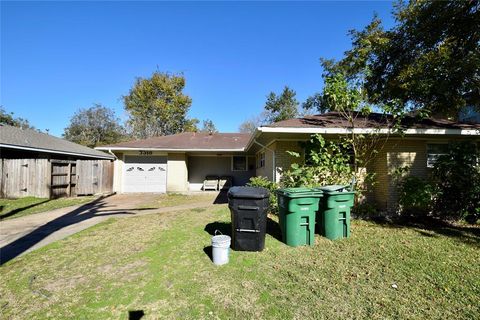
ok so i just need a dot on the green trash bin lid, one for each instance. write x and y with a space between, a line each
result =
300 192
332 188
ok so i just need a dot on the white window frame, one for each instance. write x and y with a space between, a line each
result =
432 157
246 163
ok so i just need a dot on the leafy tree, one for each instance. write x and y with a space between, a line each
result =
326 162
281 107
208 126
191 125
250 125
7 118
94 126
429 61
456 176
314 103
157 106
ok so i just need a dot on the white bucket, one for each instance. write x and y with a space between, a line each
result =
220 248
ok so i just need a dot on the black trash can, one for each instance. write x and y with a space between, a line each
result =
248 208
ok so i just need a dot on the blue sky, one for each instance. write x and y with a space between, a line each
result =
59 56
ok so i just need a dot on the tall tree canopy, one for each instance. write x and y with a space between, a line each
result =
8 118
281 107
208 126
157 106
249 125
94 126
430 59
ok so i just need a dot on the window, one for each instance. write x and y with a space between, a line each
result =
434 151
261 160
239 163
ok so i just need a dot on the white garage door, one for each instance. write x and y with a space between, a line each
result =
145 174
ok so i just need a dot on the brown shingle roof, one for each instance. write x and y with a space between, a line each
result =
28 139
189 141
373 120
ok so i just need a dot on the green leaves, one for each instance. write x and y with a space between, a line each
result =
94 126
325 163
281 107
157 106
429 60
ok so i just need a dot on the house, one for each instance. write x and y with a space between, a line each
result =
180 162
38 164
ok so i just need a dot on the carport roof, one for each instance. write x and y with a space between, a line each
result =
187 141
31 140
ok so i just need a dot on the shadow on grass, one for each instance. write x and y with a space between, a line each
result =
17 210
208 252
221 226
135 314
222 197
273 229
87 211
431 227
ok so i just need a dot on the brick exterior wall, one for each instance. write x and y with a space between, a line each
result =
396 154
282 159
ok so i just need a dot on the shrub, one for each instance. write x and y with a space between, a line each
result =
457 179
271 186
452 191
365 210
325 163
416 196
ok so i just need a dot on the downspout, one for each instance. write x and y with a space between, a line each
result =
114 175
274 171
113 154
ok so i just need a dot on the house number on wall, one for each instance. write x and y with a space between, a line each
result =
145 153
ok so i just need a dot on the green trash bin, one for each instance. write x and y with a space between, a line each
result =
297 209
333 218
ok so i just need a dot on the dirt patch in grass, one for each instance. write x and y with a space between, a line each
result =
157 264
177 199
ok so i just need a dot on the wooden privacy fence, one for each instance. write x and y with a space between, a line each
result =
46 178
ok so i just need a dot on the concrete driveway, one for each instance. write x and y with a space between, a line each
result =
24 234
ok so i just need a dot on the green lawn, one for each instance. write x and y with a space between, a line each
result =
14 208
156 264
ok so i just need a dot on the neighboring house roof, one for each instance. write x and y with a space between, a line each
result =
333 122
31 140
187 141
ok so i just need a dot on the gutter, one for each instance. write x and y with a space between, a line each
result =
431 131
169 150
113 154
11 146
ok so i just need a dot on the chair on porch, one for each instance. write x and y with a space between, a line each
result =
210 183
225 182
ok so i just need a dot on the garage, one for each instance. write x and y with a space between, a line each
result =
145 174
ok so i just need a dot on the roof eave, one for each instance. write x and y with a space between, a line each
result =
431 131
11 146
168 149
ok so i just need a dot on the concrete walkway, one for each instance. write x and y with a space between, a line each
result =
21 235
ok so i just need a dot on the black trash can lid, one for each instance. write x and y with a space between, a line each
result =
248 193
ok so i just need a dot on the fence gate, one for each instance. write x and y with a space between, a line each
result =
64 179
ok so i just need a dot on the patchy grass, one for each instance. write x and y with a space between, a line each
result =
177 199
157 264
14 208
